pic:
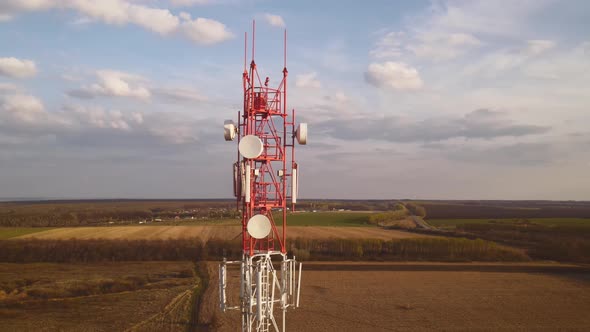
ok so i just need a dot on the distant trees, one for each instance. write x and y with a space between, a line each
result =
505 209
414 249
54 214
399 212
416 210
561 243
89 213
73 250
422 249
353 205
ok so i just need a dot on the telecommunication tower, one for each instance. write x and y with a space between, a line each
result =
265 184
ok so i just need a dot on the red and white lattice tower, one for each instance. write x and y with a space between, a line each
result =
265 184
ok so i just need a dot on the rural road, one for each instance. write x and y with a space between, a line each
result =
421 224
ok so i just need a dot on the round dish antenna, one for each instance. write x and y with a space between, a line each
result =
301 133
229 130
250 146
259 226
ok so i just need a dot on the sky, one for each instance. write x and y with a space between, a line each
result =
404 99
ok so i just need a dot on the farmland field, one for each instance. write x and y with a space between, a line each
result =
96 297
328 219
10 232
585 222
209 232
418 297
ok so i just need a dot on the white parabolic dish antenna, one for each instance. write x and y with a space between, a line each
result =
229 130
259 226
301 133
250 147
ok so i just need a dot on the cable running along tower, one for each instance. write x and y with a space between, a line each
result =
265 184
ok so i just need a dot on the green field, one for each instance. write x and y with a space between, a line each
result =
10 232
339 219
451 223
328 219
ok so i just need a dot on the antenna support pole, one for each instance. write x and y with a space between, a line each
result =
265 186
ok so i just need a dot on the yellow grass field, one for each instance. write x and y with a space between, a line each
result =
210 231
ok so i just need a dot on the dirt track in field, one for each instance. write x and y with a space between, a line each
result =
207 232
430 296
162 304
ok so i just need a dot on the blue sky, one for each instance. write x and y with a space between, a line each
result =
404 99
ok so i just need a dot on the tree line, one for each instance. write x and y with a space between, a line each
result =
561 243
52 214
507 210
194 249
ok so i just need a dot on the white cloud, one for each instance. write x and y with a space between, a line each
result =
480 124
17 68
450 29
176 95
96 117
340 97
185 16
206 31
569 70
460 39
23 108
388 46
115 84
538 46
10 7
8 87
109 11
432 45
120 12
23 119
275 20
308 80
503 60
393 75
439 46
139 127
483 17
121 84
188 3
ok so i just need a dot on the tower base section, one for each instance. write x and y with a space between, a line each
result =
266 286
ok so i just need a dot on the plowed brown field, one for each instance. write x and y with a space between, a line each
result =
419 297
64 297
207 232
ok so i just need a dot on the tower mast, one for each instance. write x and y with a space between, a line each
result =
265 181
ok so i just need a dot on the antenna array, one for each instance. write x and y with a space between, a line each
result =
265 183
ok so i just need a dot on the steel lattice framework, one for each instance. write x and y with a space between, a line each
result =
265 182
